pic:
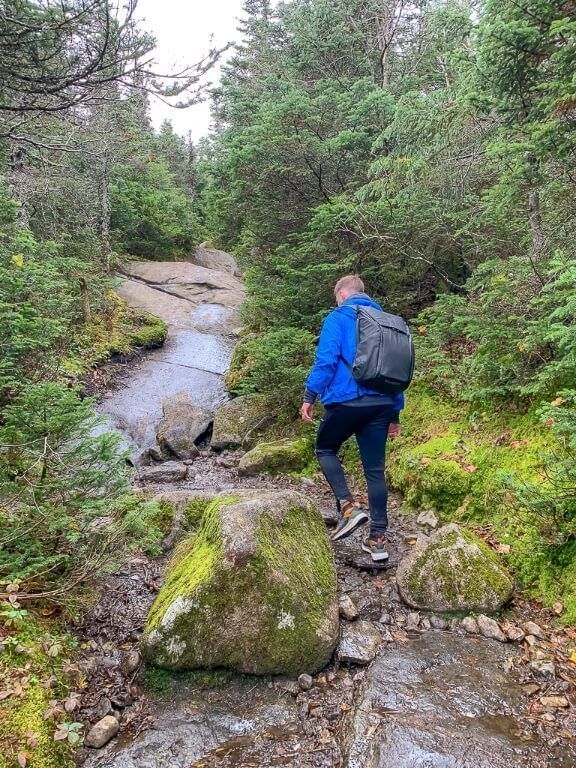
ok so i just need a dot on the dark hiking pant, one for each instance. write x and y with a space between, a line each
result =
369 423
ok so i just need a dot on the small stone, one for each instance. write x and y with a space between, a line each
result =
547 717
307 481
490 628
108 662
514 633
101 733
385 618
470 625
530 640
558 608
131 662
348 609
103 708
425 623
316 711
168 472
544 667
305 682
530 689
438 622
413 620
427 518
359 643
556 702
531 628
288 686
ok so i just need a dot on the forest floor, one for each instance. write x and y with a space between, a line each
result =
432 695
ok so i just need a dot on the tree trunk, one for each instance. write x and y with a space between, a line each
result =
535 216
86 314
105 211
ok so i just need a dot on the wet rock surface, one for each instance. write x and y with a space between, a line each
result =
443 700
181 426
433 696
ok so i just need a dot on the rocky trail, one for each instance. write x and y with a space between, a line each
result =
405 688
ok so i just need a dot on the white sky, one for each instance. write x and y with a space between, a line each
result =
183 29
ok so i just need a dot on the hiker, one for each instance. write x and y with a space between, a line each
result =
352 408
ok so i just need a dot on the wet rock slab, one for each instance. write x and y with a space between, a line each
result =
444 701
189 727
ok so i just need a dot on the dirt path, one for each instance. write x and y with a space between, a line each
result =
434 696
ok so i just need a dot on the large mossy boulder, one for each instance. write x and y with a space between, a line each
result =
453 570
238 422
254 591
289 455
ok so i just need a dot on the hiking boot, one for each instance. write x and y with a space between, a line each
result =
376 548
352 516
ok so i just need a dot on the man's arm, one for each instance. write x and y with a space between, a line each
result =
324 368
394 429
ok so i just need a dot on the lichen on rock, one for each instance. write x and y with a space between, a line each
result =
453 570
254 592
238 421
288 455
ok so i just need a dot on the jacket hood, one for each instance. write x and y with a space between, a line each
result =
361 299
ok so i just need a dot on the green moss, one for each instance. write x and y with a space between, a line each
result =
465 464
194 510
288 455
306 588
162 682
24 715
125 331
471 582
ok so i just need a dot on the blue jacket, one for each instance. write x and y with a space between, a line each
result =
330 379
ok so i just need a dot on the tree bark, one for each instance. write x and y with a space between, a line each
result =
86 313
105 212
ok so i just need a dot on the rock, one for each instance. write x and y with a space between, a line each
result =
305 682
288 686
359 643
556 702
445 693
103 708
348 609
514 633
101 733
245 593
531 628
289 455
413 620
385 618
544 667
439 622
181 426
131 662
490 628
453 570
168 472
470 625
427 518
238 421
212 258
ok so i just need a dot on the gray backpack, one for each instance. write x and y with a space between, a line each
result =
384 358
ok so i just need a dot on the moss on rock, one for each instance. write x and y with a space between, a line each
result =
255 591
453 570
288 455
239 421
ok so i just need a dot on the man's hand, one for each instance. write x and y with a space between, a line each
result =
307 411
394 431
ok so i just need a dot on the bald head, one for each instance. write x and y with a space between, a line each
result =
347 286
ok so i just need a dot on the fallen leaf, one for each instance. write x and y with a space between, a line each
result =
558 401
23 758
470 468
504 549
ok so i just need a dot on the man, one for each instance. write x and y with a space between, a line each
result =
351 409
